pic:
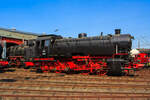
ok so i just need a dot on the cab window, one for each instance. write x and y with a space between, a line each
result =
42 43
47 42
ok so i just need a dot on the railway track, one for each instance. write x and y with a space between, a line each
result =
24 72
144 71
109 82
24 93
55 90
23 84
103 97
102 80
73 84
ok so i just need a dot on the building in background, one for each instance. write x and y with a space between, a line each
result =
11 37
15 37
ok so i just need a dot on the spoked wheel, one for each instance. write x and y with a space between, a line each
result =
44 68
129 72
58 71
68 70
39 70
101 72
55 70
85 73
18 63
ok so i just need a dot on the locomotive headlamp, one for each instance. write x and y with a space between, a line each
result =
43 52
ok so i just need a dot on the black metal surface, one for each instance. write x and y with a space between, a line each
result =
82 35
95 46
58 46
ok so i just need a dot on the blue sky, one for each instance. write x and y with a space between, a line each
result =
75 16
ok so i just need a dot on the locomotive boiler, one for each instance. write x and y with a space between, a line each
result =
99 54
93 46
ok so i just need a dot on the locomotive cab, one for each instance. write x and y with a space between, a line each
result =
42 47
43 44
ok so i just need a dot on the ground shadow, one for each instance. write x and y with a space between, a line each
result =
10 70
8 80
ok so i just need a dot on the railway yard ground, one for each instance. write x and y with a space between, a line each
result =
26 84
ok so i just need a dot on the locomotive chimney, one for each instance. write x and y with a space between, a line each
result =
82 35
101 33
117 31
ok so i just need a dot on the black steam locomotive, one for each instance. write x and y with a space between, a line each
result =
99 54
